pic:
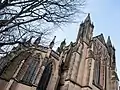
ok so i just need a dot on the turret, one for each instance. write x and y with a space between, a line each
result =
86 30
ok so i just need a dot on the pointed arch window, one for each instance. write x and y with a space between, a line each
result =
29 70
43 83
96 78
12 65
30 73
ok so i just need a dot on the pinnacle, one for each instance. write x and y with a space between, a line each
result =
88 18
109 41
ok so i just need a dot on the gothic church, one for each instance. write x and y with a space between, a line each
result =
89 63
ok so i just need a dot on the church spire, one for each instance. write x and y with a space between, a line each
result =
109 41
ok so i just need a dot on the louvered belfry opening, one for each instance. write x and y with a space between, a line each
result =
43 83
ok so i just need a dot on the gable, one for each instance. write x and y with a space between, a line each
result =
101 38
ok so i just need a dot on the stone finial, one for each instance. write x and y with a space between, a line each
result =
30 39
50 47
62 45
88 18
52 43
24 39
109 41
37 41
82 23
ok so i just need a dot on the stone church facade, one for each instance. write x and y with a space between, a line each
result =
87 64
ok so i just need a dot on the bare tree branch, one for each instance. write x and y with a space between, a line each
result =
21 18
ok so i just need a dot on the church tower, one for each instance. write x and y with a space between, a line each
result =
78 59
86 30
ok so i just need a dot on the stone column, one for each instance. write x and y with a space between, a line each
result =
72 59
88 74
87 79
108 86
91 73
75 67
82 64
102 73
78 50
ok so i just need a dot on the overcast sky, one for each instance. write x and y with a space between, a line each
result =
105 15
